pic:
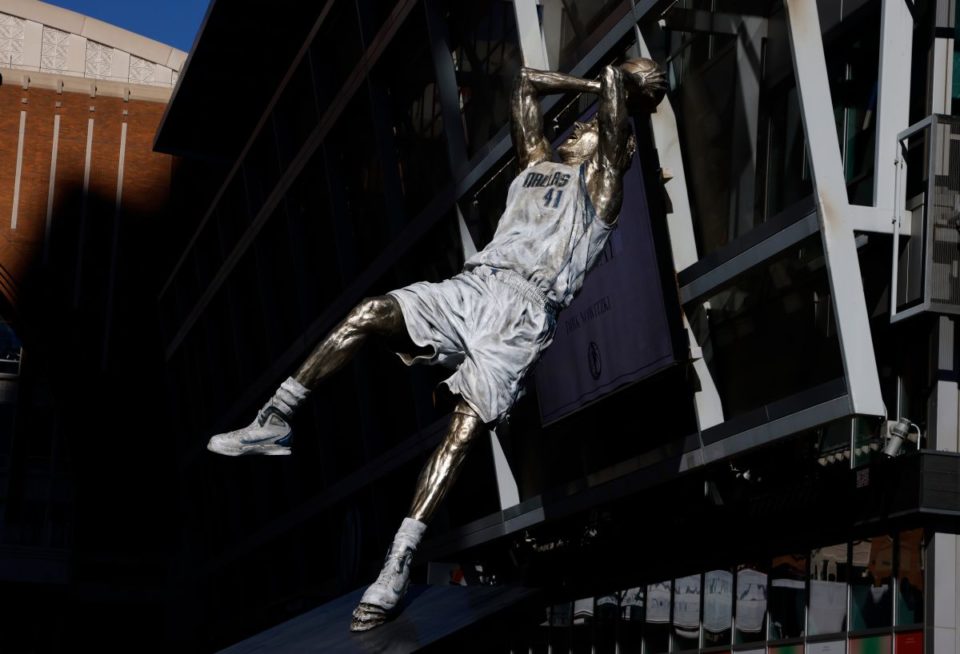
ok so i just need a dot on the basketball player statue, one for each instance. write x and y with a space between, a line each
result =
492 321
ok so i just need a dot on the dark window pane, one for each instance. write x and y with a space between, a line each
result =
335 50
910 578
788 575
630 629
295 114
871 601
572 29
486 56
407 100
784 300
853 55
356 177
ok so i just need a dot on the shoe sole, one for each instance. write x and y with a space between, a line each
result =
265 449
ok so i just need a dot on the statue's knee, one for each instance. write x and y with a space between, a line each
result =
371 313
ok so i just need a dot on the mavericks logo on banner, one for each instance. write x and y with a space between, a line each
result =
616 331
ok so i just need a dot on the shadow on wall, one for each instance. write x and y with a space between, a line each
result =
90 420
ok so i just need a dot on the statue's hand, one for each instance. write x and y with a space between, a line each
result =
645 83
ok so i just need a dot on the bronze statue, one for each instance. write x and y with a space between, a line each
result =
492 321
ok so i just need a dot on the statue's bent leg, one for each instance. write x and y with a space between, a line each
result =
384 595
270 432
376 316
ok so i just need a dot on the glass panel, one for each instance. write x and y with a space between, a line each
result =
910 578
657 632
910 642
561 617
788 170
871 645
751 605
335 50
10 349
605 624
787 649
686 613
717 607
404 89
852 67
630 629
788 575
828 590
572 29
486 57
582 631
261 168
295 115
744 327
356 172
871 602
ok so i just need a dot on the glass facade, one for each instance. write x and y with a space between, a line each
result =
796 603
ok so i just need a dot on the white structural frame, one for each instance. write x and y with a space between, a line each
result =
683 242
840 250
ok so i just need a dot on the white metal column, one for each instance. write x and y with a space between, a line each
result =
840 251
893 97
683 242
531 39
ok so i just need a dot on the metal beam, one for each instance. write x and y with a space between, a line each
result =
683 242
531 39
843 267
893 97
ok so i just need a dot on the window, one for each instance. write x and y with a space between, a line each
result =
744 327
910 570
717 607
787 596
828 590
751 604
486 56
871 593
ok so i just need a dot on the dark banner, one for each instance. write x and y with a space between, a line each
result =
616 332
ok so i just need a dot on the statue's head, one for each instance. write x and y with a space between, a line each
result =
582 143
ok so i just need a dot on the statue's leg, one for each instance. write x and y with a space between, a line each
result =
377 316
436 478
270 432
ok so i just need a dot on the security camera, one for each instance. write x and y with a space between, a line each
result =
898 432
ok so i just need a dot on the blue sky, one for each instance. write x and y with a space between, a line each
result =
174 22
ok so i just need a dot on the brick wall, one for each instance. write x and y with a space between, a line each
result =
82 229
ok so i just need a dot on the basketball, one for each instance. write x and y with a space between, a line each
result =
645 82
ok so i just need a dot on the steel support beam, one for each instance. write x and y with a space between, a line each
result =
683 242
531 38
843 267
893 99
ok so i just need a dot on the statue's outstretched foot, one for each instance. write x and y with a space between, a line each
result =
381 600
368 616
269 434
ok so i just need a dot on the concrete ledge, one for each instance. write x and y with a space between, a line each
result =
88 85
